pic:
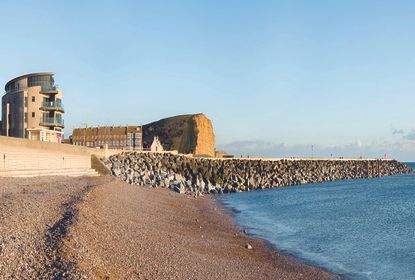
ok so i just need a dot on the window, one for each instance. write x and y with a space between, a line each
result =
25 101
33 114
45 81
33 98
25 117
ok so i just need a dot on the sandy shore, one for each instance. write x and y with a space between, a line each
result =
103 228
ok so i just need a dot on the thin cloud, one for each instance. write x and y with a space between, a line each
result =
397 131
410 136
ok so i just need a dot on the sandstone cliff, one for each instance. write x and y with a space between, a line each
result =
185 133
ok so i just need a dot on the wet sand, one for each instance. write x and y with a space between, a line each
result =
103 228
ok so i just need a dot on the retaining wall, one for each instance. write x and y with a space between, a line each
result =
17 154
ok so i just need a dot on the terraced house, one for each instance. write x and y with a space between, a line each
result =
32 108
115 137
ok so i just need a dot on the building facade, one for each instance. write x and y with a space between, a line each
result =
156 145
32 108
116 137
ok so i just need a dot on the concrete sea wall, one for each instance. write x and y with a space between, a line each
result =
23 157
14 144
203 175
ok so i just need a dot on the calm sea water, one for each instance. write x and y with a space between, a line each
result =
361 229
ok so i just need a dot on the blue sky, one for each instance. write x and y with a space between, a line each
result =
275 77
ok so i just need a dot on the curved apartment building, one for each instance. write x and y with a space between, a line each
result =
32 108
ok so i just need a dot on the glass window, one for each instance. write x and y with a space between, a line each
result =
43 81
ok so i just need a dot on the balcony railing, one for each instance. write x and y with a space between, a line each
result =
44 89
52 105
51 121
49 88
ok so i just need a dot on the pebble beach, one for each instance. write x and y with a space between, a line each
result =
104 228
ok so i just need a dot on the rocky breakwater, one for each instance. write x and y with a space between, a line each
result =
199 176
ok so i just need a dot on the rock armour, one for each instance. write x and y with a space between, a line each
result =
199 176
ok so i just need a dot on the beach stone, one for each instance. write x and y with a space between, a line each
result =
116 171
248 246
179 189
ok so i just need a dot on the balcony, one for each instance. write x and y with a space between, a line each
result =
52 106
49 89
51 121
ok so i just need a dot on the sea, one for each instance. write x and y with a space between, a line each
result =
357 229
